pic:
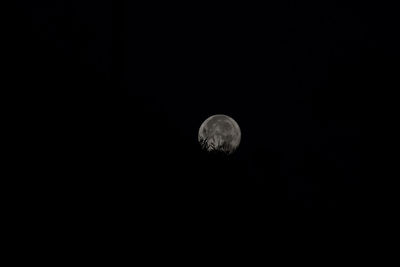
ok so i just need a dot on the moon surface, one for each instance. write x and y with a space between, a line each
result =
219 133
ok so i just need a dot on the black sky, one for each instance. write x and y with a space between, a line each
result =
292 75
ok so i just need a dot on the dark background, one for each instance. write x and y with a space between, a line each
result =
292 74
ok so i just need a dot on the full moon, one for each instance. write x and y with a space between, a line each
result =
219 133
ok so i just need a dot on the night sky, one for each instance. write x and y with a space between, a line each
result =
290 73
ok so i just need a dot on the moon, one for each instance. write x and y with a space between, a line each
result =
219 133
